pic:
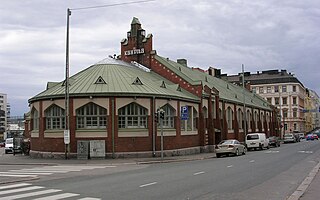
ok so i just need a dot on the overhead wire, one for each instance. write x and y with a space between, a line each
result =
112 5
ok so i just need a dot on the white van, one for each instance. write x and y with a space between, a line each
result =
257 141
8 145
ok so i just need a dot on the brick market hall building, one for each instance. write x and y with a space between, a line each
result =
115 100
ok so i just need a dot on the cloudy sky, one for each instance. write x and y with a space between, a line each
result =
261 34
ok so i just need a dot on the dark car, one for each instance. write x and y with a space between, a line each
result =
309 137
274 141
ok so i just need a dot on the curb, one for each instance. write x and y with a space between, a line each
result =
18 180
305 184
173 160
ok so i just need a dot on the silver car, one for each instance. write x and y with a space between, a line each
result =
230 147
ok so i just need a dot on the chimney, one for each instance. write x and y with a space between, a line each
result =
182 61
214 72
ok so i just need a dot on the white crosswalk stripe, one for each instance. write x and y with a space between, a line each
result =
49 170
27 190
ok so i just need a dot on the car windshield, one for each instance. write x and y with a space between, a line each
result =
226 142
252 137
9 141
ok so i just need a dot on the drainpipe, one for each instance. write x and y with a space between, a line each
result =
112 119
153 128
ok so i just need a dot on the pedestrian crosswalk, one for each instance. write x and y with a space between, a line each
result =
49 170
29 191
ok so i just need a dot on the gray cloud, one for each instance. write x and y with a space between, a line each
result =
260 34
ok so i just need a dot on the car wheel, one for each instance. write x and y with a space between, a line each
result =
268 147
218 155
6 152
244 151
237 152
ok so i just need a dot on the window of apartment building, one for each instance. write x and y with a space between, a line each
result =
35 118
284 88
269 100
294 88
229 118
294 113
276 88
254 90
55 118
261 90
169 113
294 100
276 100
285 126
240 118
268 89
285 114
284 100
295 126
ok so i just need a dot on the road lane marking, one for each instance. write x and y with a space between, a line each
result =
252 161
20 190
17 175
26 173
198 173
89 198
305 151
58 196
148 184
14 186
230 166
19 196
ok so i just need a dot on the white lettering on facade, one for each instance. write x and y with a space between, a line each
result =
134 52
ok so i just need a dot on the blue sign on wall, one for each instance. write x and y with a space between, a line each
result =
184 113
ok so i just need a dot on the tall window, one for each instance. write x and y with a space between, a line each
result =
249 119
35 118
55 118
294 113
269 100
240 118
276 100
294 88
269 89
256 119
261 90
132 116
294 100
91 116
276 88
284 101
169 114
229 118
284 88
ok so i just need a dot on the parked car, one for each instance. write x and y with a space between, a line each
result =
257 141
230 147
301 135
13 145
315 136
309 137
274 141
289 138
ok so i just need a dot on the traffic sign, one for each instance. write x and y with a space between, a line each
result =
66 136
184 113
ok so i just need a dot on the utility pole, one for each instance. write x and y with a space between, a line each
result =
67 117
244 105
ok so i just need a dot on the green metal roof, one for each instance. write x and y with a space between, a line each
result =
227 91
111 77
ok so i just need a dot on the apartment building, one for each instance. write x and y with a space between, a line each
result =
283 90
3 115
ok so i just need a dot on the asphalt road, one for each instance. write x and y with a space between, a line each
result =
268 174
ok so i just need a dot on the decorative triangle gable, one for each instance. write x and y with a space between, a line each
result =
137 81
179 88
163 85
100 81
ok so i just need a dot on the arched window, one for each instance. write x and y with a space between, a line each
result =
132 116
240 118
249 119
169 114
256 119
229 118
91 116
55 118
35 119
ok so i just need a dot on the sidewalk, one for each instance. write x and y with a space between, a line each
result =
308 190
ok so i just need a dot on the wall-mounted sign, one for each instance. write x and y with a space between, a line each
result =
134 52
